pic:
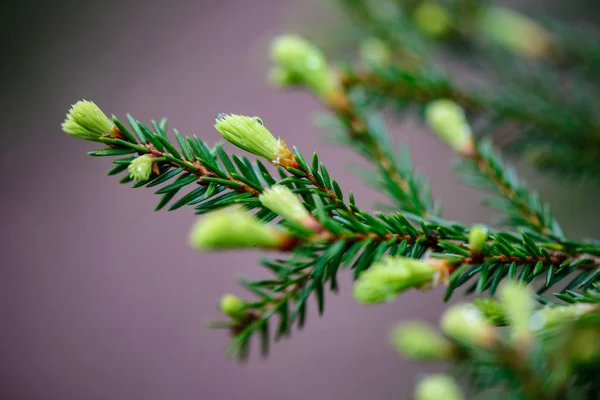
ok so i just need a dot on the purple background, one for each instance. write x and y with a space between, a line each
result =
100 298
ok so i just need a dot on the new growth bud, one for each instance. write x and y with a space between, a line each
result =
250 134
465 323
234 228
140 168
555 316
433 19
297 61
518 307
86 120
280 77
516 32
375 52
448 121
438 387
232 306
477 238
416 340
391 276
282 201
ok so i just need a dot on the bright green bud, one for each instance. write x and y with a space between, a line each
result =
518 308
391 276
556 316
303 62
477 238
282 201
466 324
280 77
375 52
86 120
433 19
250 134
234 228
140 168
492 310
448 121
515 32
232 305
416 340
438 387
372 291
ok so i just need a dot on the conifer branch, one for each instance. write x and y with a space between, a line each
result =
532 361
407 44
483 168
400 185
554 119
318 176
166 158
304 214
520 206
322 233
291 55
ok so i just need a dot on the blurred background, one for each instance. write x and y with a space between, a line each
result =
100 298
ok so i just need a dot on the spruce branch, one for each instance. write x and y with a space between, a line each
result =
520 206
392 28
535 355
541 82
321 232
346 240
362 131
570 124
483 168
211 169
486 26
365 133
199 165
316 261
544 74
317 175
337 227
165 157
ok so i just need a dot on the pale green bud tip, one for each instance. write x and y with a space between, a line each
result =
550 317
232 305
281 77
302 62
417 340
250 134
466 324
234 228
477 238
447 119
296 54
140 168
437 387
518 307
433 19
282 201
375 52
86 120
371 291
516 32
391 276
